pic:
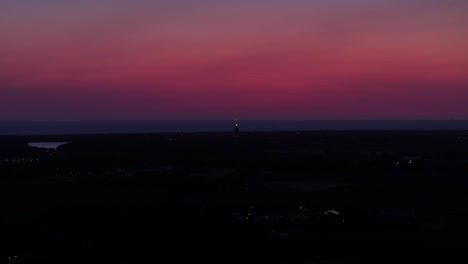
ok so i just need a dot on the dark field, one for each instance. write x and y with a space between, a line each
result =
222 198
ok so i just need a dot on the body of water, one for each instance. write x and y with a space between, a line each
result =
110 127
47 145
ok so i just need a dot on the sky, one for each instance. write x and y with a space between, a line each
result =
243 59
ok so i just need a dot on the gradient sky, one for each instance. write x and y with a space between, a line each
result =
245 59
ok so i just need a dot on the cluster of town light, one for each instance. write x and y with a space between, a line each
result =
18 160
253 216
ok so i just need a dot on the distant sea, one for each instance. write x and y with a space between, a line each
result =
118 127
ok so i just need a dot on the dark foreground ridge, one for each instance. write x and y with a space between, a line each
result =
266 197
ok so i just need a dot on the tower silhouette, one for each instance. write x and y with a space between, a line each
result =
236 129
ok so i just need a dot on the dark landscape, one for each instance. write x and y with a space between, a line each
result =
220 131
248 197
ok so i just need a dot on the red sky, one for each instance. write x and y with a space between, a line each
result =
246 59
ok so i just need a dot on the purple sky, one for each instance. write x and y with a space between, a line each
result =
246 59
